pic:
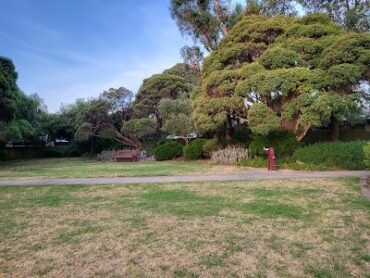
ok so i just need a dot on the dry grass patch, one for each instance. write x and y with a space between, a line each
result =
290 228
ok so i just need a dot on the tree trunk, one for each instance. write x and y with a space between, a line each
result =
334 129
229 131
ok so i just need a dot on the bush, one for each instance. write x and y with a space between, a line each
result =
210 146
283 142
107 156
168 151
345 155
230 156
367 154
60 151
194 150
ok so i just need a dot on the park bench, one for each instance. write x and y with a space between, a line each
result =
126 154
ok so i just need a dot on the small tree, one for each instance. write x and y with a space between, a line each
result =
176 115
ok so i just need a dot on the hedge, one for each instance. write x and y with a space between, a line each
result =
344 155
168 151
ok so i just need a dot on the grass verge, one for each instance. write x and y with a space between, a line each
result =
82 168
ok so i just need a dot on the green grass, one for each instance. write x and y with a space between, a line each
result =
282 228
78 167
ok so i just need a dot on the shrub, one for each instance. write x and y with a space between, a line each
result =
345 155
194 150
367 154
60 151
107 156
283 142
168 151
210 146
230 156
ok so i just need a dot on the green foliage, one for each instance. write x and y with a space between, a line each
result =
139 127
194 150
345 155
257 162
353 15
281 58
189 74
84 132
20 115
283 72
176 115
211 145
19 131
168 151
156 88
367 154
8 86
283 142
61 151
205 21
262 119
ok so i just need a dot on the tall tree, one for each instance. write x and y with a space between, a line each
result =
19 114
206 21
354 15
301 72
8 87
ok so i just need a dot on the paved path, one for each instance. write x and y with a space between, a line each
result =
254 174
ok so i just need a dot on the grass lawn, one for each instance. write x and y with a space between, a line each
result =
281 228
78 167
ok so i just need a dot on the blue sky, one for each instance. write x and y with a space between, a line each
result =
71 49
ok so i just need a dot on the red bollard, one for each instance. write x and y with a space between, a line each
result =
271 159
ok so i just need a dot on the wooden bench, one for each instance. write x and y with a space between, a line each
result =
127 154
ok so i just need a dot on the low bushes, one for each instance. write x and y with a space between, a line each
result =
367 154
210 146
230 156
60 151
168 151
194 150
346 155
283 142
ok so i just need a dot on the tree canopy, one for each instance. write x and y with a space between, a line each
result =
176 115
109 117
354 15
205 21
301 72
20 115
190 74
156 88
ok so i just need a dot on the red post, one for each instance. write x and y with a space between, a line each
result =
271 159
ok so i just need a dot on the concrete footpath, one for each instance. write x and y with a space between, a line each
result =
253 174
